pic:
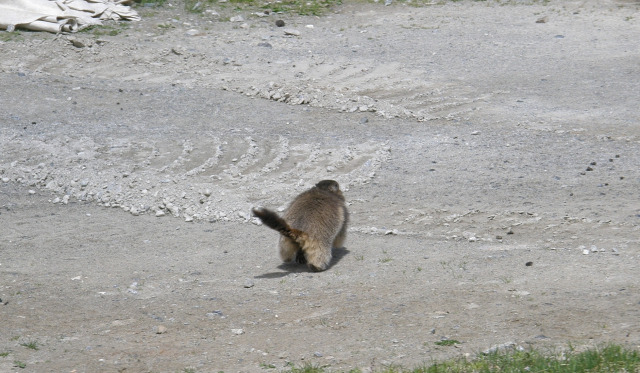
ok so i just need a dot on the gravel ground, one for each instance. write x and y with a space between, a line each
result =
488 153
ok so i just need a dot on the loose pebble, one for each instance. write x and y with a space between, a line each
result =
237 331
291 32
280 23
160 329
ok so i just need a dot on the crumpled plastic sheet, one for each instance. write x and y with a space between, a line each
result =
62 15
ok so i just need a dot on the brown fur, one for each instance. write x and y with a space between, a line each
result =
315 222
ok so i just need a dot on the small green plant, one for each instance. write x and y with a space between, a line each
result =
4 354
447 342
189 370
267 366
19 364
32 345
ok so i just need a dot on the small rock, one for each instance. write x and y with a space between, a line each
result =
160 329
207 192
391 232
192 32
188 218
249 284
280 23
585 252
160 213
317 354
542 19
77 43
5 179
290 31
364 120
500 347
528 264
236 19
265 44
475 133
237 331
32 192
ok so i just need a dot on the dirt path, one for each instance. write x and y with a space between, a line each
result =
490 164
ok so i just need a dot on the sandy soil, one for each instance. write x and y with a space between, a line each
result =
490 163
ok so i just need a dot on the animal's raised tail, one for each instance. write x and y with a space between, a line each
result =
274 221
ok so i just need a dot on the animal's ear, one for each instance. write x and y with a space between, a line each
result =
330 185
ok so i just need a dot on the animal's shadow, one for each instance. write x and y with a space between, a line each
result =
287 268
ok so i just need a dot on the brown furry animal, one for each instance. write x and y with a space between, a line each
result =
315 222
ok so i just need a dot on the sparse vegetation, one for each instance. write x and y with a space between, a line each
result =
447 342
31 345
107 29
19 364
611 358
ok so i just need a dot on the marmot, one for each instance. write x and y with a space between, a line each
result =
314 223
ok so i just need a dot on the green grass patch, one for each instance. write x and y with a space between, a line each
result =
33 345
299 7
106 30
609 359
447 342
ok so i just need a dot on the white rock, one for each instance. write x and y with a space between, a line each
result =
160 213
237 331
65 199
188 218
236 19
290 31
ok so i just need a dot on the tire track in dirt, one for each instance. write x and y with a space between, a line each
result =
200 178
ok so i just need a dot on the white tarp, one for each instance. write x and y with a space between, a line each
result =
61 15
